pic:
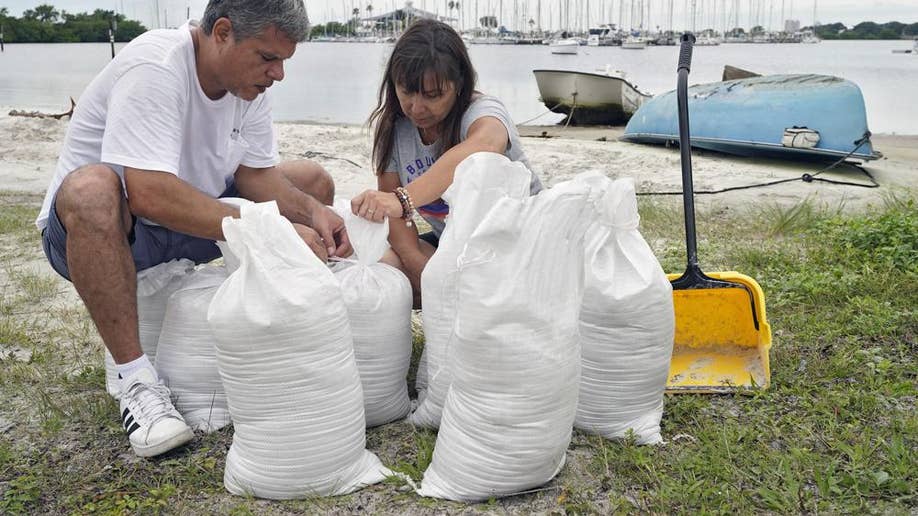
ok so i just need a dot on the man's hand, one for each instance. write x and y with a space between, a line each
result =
313 240
332 232
376 206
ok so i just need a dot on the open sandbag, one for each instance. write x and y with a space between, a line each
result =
510 408
230 260
626 321
480 181
285 354
154 286
378 300
187 357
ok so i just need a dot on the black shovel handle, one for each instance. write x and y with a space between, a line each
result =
693 277
685 149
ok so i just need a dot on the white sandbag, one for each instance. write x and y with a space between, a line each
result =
231 262
154 286
187 358
420 378
378 299
286 357
510 409
626 321
480 181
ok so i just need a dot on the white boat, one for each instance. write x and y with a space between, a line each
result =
602 36
604 97
634 43
565 46
706 41
810 38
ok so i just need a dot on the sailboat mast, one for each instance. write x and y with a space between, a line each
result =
621 14
692 26
587 22
539 15
814 17
670 16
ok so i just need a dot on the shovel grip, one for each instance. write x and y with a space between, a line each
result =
685 150
685 51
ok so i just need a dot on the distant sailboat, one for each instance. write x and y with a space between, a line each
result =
634 43
812 37
567 46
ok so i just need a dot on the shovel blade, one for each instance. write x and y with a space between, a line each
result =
722 338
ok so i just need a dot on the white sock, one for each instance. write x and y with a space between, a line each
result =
127 370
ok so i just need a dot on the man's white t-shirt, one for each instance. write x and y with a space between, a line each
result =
146 110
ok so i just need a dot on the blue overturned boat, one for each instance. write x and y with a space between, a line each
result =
806 116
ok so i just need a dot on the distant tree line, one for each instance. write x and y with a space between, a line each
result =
331 29
46 24
867 30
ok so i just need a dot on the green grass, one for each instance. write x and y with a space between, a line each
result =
835 434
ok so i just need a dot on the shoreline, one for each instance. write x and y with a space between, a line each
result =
29 149
574 132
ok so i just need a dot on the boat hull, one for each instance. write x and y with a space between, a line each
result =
749 116
589 98
564 48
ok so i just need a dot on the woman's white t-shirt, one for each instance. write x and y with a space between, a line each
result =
146 110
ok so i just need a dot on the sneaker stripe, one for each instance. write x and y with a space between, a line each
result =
129 421
132 429
125 413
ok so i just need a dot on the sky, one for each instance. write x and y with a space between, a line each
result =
709 13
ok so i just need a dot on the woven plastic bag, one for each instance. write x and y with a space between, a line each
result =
154 286
286 357
480 181
626 322
187 357
509 412
378 299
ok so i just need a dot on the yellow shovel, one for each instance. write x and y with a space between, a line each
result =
722 336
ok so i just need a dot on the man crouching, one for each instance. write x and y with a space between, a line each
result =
176 120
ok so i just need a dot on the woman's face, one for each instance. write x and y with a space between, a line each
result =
428 107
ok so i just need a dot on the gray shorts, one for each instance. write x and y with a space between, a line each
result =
150 245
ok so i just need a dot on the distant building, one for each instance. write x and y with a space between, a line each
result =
404 16
791 26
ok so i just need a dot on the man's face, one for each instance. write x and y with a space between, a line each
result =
250 66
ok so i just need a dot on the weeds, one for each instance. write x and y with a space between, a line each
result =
424 441
836 433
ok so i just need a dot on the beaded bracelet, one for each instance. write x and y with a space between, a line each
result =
407 205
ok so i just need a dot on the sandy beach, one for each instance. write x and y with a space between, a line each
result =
29 149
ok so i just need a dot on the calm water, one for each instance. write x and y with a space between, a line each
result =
337 82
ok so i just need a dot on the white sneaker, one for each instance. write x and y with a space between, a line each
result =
151 422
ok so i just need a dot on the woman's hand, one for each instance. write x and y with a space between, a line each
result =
376 206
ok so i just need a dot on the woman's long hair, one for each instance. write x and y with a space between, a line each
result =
427 46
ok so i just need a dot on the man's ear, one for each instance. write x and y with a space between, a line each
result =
223 30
